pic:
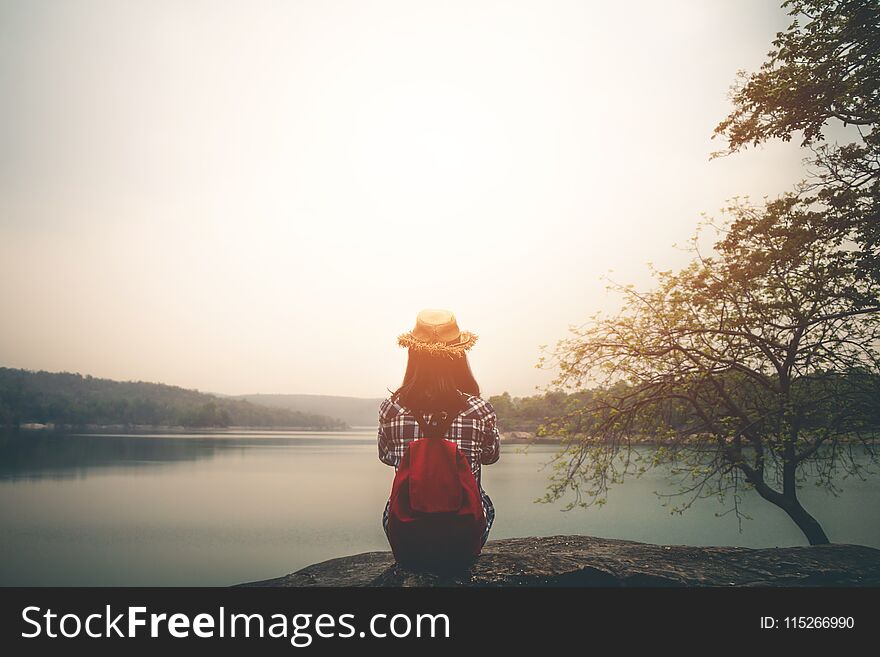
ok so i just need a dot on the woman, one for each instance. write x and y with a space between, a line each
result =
438 379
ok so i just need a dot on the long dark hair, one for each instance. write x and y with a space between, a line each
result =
431 382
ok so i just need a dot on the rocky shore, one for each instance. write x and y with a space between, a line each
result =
591 561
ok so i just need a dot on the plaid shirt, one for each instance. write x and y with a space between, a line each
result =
474 430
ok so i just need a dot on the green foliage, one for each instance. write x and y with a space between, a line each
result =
529 413
72 399
824 68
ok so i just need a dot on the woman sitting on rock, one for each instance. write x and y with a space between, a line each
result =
437 432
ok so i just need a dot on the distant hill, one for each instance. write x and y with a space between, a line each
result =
355 411
67 398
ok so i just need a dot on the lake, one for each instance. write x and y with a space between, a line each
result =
230 507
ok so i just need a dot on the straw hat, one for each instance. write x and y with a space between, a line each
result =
437 332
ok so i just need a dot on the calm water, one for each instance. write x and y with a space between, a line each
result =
233 507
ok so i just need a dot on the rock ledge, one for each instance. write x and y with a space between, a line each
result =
591 561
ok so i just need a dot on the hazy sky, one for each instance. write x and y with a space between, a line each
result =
259 196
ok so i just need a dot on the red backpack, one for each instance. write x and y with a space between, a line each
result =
436 514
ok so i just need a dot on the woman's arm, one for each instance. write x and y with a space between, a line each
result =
386 448
491 440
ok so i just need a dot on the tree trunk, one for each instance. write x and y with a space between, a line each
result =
790 504
807 523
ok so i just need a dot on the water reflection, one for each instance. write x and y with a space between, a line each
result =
217 509
37 454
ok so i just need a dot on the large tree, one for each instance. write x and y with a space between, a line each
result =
757 365
753 368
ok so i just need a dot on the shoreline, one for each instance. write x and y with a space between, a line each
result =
506 437
163 428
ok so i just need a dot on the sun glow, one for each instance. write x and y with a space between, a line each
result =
257 200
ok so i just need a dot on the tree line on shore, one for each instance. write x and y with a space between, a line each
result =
558 412
71 399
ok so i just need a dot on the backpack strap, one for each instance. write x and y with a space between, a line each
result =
437 427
